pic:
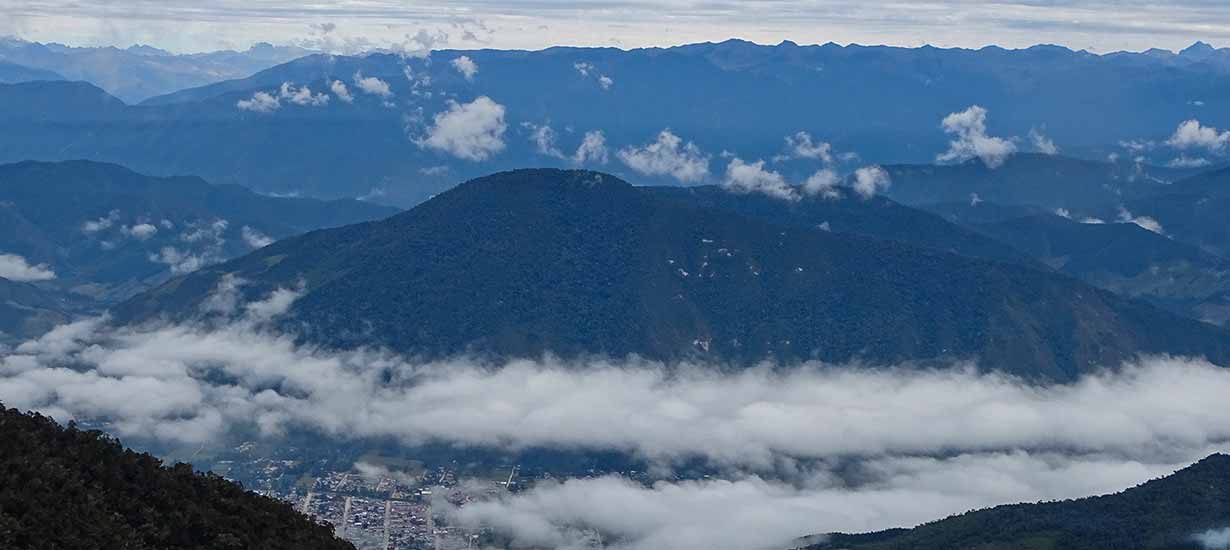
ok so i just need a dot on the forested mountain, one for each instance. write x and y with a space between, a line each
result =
100 224
1042 181
99 233
1169 513
66 489
875 217
873 104
577 262
1127 259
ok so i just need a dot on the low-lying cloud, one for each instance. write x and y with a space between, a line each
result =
470 131
971 140
803 449
466 66
670 156
753 512
15 268
748 419
1191 134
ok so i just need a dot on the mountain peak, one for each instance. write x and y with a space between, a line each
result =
1198 49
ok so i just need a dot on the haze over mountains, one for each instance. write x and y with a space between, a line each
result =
137 72
882 104
718 295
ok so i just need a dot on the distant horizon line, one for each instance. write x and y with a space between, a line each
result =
784 42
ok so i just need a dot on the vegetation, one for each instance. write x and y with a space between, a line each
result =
1162 514
573 262
64 488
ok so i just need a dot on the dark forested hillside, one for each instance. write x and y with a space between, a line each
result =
1044 181
1127 259
576 262
876 217
68 489
1168 513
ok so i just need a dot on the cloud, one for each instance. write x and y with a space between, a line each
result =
807 449
181 261
1214 539
1144 222
669 155
254 238
757 513
260 102
372 85
587 69
301 96
743 177
101 224
1184 161
870 180
470 131
750 419
466 66
15 268
203 242
800 145
823 184
592 149
1192 135
340 90
141 231
543 138
970 128
1043 144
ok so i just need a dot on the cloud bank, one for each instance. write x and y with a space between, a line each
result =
803 450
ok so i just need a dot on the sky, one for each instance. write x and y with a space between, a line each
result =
193 26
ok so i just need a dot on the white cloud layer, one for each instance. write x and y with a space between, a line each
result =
752 512
670 156
15 268
971 140
920 443
747 419
470 131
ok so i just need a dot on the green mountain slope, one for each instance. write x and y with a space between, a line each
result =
574 262
67 489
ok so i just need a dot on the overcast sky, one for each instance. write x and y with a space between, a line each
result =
196 25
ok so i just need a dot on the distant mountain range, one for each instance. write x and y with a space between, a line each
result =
1185 511
873 104
576 262
1042 181
107 232
138 72
71 489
